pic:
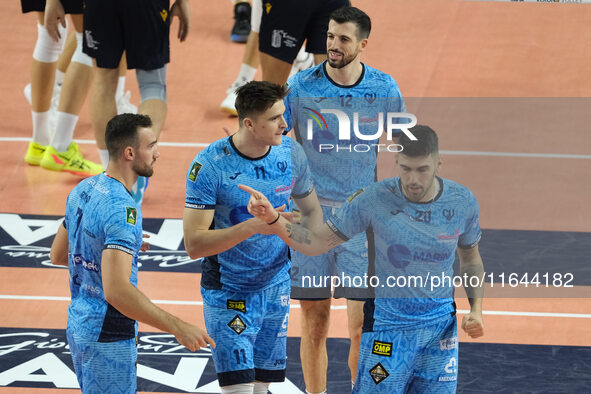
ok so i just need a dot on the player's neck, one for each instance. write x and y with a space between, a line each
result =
347 75
248 146
127 176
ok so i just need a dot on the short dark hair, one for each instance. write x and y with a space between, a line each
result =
122 132
355 15
427 142
256 97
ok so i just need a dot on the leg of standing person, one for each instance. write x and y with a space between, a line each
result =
43 68
63 154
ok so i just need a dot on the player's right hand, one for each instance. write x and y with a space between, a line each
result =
54 15
192 337
259 206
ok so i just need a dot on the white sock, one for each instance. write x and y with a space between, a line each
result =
59 77
246 75
260 388
104 155
64 131
120 87
41 127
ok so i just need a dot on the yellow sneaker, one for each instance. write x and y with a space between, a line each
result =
35 153
69 161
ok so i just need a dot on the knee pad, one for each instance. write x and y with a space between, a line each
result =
79 56
261 388
243 388
152 84
47 50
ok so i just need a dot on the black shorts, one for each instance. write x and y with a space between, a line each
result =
70 6
289 22
138 27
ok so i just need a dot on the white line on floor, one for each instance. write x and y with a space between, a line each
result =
333 307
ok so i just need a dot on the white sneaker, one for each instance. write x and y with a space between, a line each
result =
303 61
228 105
124 106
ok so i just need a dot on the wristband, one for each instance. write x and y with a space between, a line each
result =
275 221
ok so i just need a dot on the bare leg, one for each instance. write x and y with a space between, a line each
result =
355 320
156 110
64 60
77 81
274 70
103 108
315 321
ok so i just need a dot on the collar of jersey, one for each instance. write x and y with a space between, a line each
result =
344 86
243 155
399 186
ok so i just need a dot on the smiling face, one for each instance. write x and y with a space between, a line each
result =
268 126
146 152
417 175
342 43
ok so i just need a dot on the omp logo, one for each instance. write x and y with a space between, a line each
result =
358 141
382 348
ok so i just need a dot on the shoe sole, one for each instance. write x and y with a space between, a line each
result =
32 162
230 111
239 39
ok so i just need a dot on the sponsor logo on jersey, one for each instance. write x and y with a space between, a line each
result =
237 325
378 373
448 343
268 7
444 236
449 213
195 171
164 15
285 300
354 195
131 215
235 305
88 265
382 348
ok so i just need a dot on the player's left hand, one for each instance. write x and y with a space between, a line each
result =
145 245
473 324
182 11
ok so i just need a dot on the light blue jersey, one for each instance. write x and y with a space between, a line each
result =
100 214
410 240
342 155
261 260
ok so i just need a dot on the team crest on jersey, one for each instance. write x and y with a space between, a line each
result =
378 373
195 171
237 325
382 348
239 306
131 215
354 195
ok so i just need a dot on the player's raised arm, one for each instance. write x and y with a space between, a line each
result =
311 242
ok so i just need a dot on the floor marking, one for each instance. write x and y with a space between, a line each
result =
333 307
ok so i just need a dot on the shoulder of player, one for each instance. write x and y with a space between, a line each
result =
455 190
214 152
376 76
309 75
